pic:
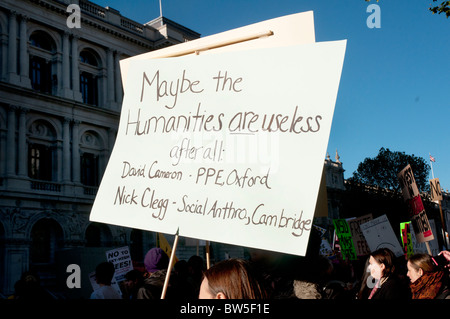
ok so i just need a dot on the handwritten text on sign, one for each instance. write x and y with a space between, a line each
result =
226 147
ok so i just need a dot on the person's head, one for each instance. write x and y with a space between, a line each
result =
104 273
418 265
156 259
231 279
195 266
381 263
133 279
181 268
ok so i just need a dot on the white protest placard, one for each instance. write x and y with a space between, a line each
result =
408 183
420 247
325 247
379 234
435 190
226 147
412 197
121 259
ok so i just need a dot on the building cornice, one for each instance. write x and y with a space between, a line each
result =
64 103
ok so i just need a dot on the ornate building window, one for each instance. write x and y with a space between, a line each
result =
40 162
89 169
89 69
41 151
42 49
91 148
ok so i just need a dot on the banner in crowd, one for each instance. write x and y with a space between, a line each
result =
435 190
164 245
359 241
379 234
420 247
225 147
405 235
121 259
344 234
325 247
411 195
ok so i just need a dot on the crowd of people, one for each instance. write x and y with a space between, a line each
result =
269 275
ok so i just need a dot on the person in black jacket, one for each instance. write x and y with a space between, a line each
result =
387 285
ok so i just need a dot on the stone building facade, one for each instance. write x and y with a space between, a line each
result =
60 100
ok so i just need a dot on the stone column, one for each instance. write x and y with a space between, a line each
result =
76 153
102 82
11 142
66 151
4 54
23 53
65 90
75 70
110 94
22 142
12 75
118 79
3 157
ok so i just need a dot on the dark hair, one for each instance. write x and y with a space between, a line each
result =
104 272
235 278
134 275
423 261
386 257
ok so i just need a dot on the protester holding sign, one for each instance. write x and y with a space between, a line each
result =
156 262
387 284
428 281
156 259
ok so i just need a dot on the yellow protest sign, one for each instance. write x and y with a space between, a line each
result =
164 245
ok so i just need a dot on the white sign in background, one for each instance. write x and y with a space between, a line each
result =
226 147
379 234
121 259
420 247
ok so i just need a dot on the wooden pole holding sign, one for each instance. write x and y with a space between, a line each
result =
171 263
208 262
219 44
428 248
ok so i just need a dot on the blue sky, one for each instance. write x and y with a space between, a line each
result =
395 84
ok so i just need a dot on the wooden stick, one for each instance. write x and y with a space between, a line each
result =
208 262
220 44
171 262
428 248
